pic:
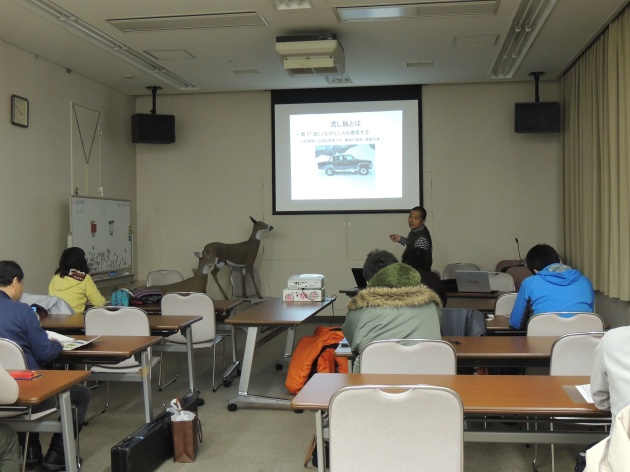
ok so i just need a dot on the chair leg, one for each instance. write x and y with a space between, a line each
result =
214 366
162 386
24 451
102 410
553 453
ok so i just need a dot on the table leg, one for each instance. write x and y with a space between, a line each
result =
248 358
319 431
234 366
288 348
145 361
67 432
191 357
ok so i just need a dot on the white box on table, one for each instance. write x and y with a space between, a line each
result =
303 295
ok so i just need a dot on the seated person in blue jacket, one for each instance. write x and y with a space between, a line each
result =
554 287
394 305
20 324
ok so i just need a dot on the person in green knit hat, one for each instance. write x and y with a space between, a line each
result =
394 305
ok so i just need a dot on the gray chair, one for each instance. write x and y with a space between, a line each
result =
552 324
377 428
204 331
409 356
572 354
12 357
122 321
164 277
504 304
501 282
450 269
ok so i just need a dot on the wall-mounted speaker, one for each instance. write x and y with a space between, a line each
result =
537 117
148 128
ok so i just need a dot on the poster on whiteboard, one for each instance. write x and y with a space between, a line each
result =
102 228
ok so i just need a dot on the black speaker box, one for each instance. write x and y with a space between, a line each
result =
537 117
147 128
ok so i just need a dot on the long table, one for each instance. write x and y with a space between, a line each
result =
34 392
159 325
521 396
274 316
494 351
114 349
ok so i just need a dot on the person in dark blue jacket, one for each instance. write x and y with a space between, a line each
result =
20 324
554 287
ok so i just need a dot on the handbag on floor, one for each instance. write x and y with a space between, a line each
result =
186 432
186 438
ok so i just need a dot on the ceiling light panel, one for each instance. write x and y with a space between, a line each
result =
215 20
416 10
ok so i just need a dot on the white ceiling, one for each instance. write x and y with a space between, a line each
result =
376 52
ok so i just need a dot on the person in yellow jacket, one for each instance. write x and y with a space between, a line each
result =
72 281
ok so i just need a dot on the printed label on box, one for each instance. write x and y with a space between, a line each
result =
306 295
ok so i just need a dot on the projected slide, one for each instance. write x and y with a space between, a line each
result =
335 157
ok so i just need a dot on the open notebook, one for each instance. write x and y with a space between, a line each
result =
69 343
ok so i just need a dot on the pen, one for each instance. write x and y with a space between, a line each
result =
454 341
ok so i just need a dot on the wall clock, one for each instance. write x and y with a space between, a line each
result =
19 111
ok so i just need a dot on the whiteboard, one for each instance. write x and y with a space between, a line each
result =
102 228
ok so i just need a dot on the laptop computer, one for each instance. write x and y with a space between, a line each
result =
473 281
357 272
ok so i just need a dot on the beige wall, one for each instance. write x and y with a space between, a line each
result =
35 161
484 186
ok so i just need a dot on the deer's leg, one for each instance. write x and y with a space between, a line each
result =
214 273
243 283
250 271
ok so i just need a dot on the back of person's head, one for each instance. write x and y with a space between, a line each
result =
395 276
9 270
421 210
540 256
72 258
375 261
417 258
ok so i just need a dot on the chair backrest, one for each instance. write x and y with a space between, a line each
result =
573 354
164 277
507 263
424 428
504 304
449 270
436 272
237 283
123 321
501 282
519 273
409 356
11 355
559 323
192 304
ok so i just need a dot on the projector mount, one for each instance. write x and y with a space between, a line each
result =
155 88
536 76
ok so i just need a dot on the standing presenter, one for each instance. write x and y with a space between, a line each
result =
419 238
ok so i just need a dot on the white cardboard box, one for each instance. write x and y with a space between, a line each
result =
303 295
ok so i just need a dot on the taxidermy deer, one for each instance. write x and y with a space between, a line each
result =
238 255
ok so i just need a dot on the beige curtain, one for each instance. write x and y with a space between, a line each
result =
597 161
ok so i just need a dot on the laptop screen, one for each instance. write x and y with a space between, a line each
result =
359 279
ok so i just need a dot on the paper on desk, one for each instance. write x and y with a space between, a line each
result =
585 391
69 343
59 337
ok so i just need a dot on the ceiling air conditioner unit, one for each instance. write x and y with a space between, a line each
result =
311 54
